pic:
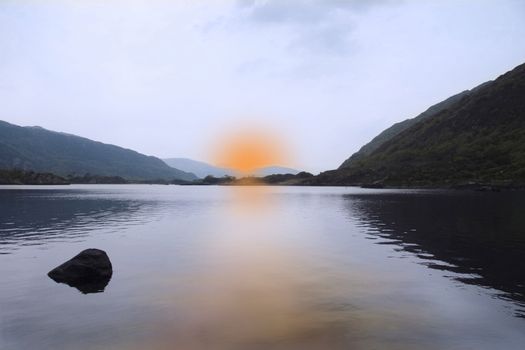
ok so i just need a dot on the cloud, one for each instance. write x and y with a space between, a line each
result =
320 27
303 11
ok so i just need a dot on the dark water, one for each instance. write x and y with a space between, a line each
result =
265 268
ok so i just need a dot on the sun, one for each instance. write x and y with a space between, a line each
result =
248 149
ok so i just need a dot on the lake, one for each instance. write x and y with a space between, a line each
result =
264 268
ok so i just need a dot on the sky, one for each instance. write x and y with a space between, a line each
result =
168 78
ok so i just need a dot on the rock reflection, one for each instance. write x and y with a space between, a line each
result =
478 236
96 285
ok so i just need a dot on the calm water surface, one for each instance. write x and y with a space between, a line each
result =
264 268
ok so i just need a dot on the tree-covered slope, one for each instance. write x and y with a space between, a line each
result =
398 128
41 150
479 138
19 177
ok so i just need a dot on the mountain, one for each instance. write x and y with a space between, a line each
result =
41 150
476 136
202 169
398 128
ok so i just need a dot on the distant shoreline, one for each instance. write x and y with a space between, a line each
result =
21 177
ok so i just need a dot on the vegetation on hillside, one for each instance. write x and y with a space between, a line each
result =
398 128
20 177
276 179
41 150
479 138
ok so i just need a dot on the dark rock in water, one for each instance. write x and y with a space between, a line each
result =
89 271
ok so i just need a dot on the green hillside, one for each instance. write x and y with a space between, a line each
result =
478 138
398 128
41 150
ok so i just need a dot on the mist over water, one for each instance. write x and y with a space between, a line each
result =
264 268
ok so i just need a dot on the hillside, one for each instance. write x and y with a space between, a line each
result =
41 150
479 137
202 169
398 128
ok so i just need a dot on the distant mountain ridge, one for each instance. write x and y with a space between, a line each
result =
200 169
41 150
203 169
477 136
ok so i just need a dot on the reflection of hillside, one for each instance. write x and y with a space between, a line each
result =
470 233
31 217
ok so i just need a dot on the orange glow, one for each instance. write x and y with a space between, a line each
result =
249 149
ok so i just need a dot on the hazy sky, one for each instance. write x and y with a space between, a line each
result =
166 78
